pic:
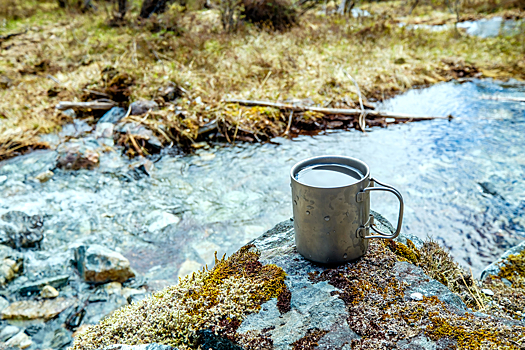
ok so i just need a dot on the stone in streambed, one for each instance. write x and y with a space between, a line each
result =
21 341
33 309
48 292
11 264
8 332
98 264
113 116
33 287
143 106
77 155
19 230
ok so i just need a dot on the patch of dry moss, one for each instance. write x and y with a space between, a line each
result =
382 316
233 288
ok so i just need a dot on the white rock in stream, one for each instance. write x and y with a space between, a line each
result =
158 219
187 267
21 340
8 332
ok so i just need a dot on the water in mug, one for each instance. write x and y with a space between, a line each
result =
328 175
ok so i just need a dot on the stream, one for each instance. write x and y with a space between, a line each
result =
462 180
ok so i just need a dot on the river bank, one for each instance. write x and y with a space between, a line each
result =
167 216
189 72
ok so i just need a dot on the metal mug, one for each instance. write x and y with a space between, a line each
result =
332 225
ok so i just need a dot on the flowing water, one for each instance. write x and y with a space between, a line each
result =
463 183
484 28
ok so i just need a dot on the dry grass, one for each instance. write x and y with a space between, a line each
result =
64 53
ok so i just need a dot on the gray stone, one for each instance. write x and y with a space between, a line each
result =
3 303
312 306
104 130
318 306
419 282
494 268
8 332
21 340
11 264
76 155
140 132
34 310
33 287
113 116
143 106
61 339
98 264
19 230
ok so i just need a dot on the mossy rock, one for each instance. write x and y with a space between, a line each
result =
267 296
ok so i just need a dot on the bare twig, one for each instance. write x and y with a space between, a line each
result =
98 105
289 123
341 111
362 116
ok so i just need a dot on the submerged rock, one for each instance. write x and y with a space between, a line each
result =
48 292
19 230
21 341
77 155
33 309
98 264
38 286
8 332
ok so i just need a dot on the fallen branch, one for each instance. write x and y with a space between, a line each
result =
98 105
12 35
503 98
353 112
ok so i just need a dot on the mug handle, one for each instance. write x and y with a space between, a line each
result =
386 188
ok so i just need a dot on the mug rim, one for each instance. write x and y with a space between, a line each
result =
302 162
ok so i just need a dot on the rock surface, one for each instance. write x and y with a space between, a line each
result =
113 116
378 301
48 292
33 309
98 264
21 340
143 106
19 230
78 155
11 263
494 268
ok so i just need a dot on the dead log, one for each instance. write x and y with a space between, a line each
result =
93 105
341 111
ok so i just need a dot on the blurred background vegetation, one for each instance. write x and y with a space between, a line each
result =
205 51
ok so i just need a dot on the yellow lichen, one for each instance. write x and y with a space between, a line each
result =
513 268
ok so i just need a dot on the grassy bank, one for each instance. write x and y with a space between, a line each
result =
70 56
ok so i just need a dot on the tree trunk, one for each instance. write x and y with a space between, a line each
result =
122 8
150 7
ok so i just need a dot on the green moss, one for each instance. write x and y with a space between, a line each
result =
514 268
234 288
